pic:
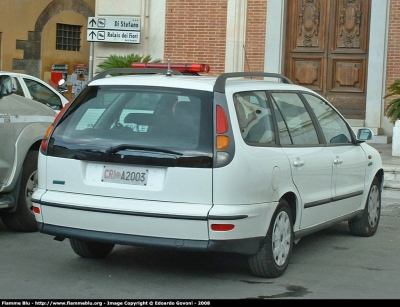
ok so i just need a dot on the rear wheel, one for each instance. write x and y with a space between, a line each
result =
367 225
273 257
23 218
93 250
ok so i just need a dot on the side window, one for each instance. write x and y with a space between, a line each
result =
6 85
254 117
298 121
283 131
19 91
43 94
333 126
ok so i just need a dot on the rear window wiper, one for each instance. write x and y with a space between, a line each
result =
111 150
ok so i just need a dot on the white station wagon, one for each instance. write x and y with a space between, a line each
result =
229 164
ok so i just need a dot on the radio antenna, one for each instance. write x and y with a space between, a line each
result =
169 71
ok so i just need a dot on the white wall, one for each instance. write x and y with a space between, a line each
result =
235 35
152 15
377 58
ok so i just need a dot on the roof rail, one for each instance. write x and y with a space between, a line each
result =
219 85
128 71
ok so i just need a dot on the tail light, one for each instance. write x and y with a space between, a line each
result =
45 140
222 127
222 140
222 120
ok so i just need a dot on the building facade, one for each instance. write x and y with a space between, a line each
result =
344 49
35 35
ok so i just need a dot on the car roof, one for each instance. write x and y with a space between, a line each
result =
205 83
11 73
17 74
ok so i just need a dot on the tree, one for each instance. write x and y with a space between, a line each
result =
123 61
393 109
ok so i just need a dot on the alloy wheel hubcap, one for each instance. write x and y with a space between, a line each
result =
31 187
281 238
373 206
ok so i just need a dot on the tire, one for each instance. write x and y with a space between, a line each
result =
23 219
367 225
273 257
94 250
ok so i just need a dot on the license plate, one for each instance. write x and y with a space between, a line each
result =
126 175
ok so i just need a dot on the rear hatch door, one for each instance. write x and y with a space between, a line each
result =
135 142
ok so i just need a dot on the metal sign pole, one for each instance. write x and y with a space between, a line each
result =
90 74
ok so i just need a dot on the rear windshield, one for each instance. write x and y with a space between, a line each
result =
136 119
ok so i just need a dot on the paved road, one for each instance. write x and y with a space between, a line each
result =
330 264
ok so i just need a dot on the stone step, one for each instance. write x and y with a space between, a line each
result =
392 185
392 177
391 167
378 138
391 193
356 122
381 139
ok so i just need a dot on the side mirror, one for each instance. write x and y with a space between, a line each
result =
7 86
364 134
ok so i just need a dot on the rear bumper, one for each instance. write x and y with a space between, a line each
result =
242 246
138 222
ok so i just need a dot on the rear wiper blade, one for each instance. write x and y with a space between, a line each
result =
115 149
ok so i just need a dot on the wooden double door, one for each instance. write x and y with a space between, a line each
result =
327 50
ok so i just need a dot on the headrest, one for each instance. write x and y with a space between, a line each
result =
138 118
166 103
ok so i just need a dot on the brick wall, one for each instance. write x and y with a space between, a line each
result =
195 31
393 60
255 35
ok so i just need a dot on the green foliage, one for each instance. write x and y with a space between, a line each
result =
393 109
123 61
